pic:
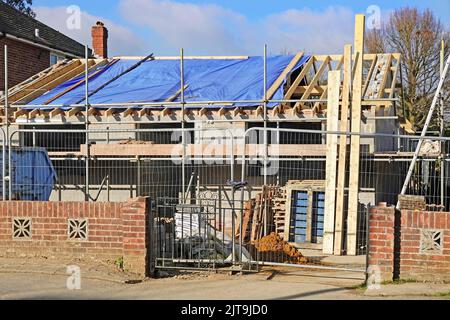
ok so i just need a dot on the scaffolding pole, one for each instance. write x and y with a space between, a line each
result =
425 128
265 115
442 127
183 123
6 123
86 118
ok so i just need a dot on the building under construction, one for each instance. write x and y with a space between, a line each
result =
300 145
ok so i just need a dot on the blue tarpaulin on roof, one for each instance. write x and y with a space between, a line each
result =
158 80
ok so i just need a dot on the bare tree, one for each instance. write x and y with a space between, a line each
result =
416 35
23 6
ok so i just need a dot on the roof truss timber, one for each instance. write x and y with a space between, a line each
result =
308 83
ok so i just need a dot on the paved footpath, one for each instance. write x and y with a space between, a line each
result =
47 280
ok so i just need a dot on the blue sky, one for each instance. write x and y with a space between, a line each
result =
138 27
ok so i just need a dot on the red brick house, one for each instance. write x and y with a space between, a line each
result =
32 46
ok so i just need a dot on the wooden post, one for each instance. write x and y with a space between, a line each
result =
309 217
334 82
340 218
352 216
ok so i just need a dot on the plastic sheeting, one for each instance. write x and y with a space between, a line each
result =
32 174
158 80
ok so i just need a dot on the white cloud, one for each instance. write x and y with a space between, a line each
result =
313 31
167 25
212 29
186 25
121 41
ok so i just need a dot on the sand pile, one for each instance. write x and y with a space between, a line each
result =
273 248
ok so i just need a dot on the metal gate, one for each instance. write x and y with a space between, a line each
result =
197 234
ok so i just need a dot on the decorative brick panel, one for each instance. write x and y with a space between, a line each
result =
99 231
415 245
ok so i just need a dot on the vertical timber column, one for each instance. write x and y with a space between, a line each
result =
352 216
334 82
340 218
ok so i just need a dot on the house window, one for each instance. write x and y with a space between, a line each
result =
55 58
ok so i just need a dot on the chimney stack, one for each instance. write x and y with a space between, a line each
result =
100 40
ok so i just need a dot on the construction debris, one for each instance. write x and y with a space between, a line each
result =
276 249
258 219
279 208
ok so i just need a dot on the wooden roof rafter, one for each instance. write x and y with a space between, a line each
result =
315 80
72 73
305 84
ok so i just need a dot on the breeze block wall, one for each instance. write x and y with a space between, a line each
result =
98 231
412 243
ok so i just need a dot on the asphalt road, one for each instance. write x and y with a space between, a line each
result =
292 286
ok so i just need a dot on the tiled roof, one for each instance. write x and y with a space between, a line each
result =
15 23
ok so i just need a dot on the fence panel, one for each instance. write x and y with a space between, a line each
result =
268 200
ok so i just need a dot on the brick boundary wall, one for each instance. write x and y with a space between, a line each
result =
96 231
381 240
410 243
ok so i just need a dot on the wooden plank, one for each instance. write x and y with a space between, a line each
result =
276 111
82 81
176 94
313 150
34 113
382 88
394 78
276 85
56 112
48 86
316 90
256 215
166 112
369 75
342 165
20 112
93 111
352 216
74 111
314 81
222 112
299 78
334 83
248 215
143 112
203 112
35 78
296 110
318 105
113 111
309 217
42 81
129 112
237 111
260 111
